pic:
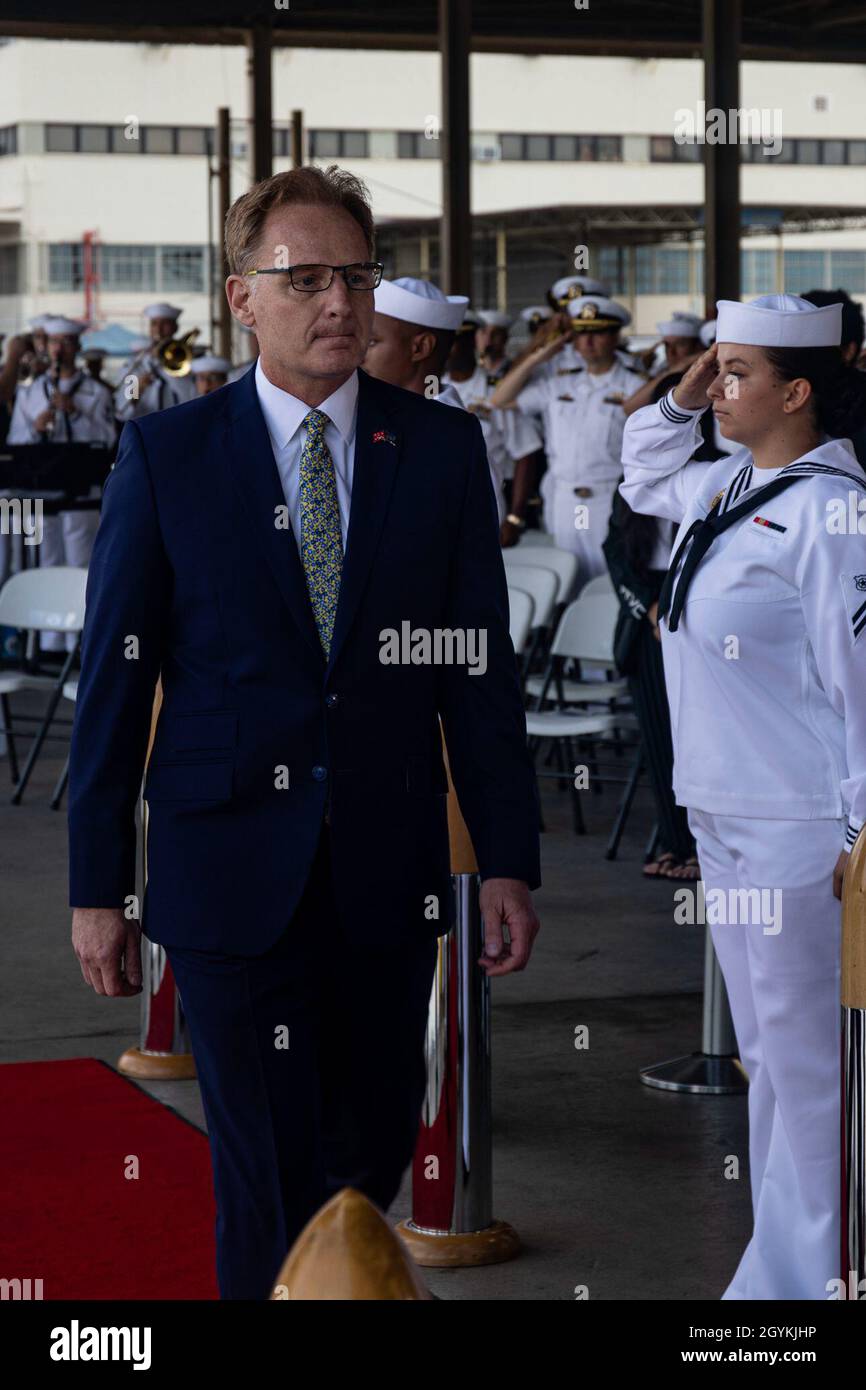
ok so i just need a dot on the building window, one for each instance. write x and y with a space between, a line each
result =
354 144
848 269
127 267
537 147
857 151
758 271
93 139
183 268
565 147
192 139
804 270
158 139
60 139
511 146
608 147
833 151
662 270
65 266
808 151
126 139
324 144
10 269
9 139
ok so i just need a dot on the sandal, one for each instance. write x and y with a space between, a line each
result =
686 870
653 868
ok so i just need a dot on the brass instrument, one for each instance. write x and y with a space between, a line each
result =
55 386
174 355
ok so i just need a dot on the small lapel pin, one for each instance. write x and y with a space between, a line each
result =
385 437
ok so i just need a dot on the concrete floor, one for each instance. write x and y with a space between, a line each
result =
609 1184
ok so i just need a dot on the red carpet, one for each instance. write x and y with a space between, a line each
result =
68 1213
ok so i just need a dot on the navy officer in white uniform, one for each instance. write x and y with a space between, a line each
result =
584 420
763 625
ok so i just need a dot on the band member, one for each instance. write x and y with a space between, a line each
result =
764 647
144 384
94 361
64 406
209 373
584 421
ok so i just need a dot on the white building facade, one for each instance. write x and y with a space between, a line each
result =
106 201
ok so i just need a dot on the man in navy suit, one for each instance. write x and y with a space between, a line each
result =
309 559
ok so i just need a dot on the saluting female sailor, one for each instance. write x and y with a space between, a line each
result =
764 644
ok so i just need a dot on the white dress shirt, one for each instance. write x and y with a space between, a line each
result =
284 417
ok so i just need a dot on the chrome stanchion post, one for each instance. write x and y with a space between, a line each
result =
165 1052
715 1070
452 1176
853 1072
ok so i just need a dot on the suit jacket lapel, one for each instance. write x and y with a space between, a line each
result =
257 482
377 457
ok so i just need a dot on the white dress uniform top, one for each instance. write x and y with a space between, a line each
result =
67 537
163 391
766 673
508 434
583 428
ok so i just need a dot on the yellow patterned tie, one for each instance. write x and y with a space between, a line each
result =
321 536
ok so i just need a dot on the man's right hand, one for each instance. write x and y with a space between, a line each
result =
108 947
549 350
691 392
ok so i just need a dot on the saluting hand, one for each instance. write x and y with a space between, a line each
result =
544 354
691 393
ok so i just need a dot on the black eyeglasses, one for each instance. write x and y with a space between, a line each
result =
361 275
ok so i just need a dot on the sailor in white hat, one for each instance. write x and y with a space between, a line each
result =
414 328
584 422
535 315
763 627
491 341
209 372
64 405
144 384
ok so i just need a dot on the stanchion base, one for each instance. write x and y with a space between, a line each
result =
494 1245
157 1066
703 1074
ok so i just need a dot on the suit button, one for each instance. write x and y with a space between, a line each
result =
319 774
332 700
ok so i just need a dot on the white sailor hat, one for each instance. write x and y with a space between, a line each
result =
59 327
162 311
707 334
592 312
470 322
779 320
419 301
536 313
39 321
494 318
575 286
681 325
209 363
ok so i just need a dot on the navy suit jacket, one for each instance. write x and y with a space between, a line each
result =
193 579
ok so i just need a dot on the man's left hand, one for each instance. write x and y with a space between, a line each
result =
506 902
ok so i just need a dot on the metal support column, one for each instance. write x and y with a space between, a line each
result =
223 154
722 22
455 25
261 105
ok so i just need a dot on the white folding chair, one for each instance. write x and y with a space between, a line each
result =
520 610
536 537
550 557
541 585
38 600
584 634
602 584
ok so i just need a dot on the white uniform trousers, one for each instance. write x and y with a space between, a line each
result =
583 541
784 992
67 539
